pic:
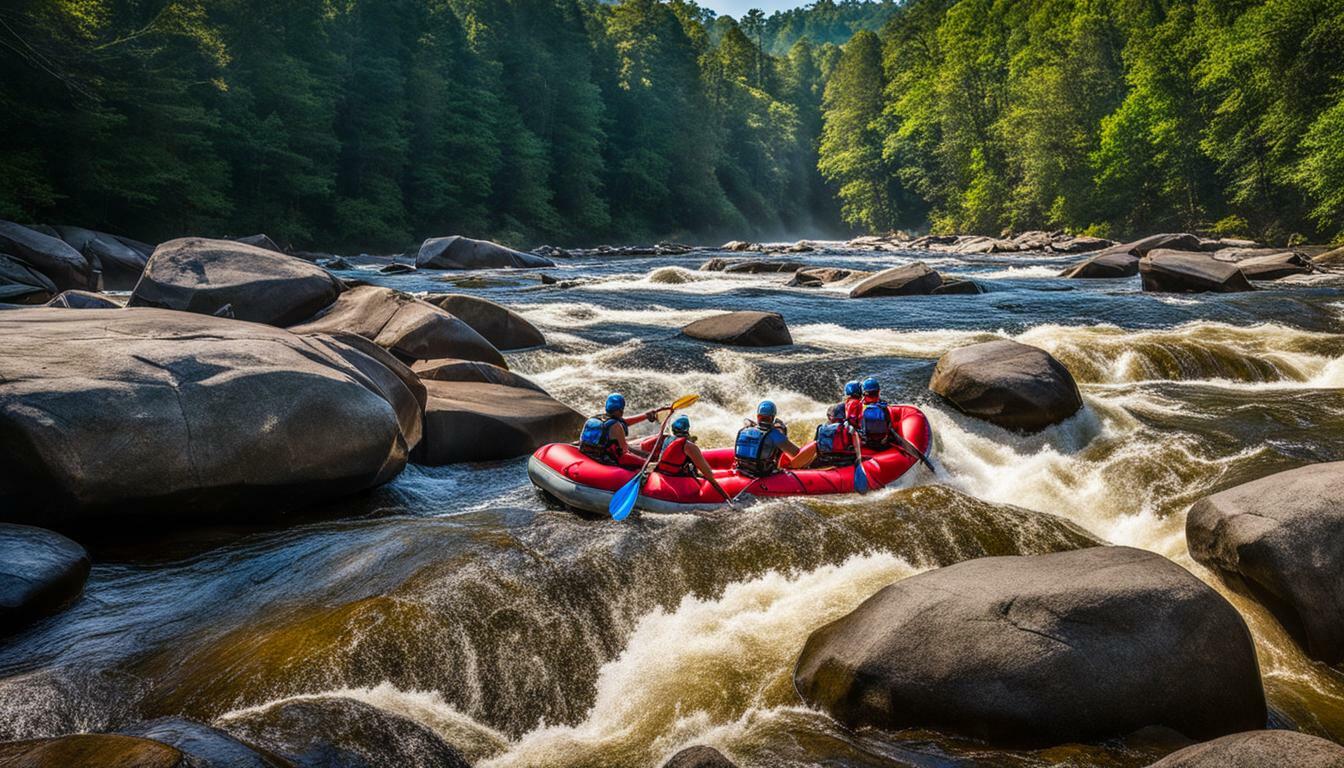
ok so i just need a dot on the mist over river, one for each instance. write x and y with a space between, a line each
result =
529 636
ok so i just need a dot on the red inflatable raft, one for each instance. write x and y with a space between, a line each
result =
579 482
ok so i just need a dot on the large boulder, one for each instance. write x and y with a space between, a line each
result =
260 241
41 573
397 383
458 252
209 418
1275 265
1043 649
91 750
910 280
489 422
406 326
1283 537
1012 385
742 329
1258 749
204 746
1080 244
699 757
1108 265
471 371
1166 271
82 300
329 731
120 260
1333 258
21 284
499 325
1182 241
817 276
62 264
194 274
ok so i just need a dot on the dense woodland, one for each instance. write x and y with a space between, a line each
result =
374 123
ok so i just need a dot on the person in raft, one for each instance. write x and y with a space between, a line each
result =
603 436
836 443
874 422
762 442
853 404
681 457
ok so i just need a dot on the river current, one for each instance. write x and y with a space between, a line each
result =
528 636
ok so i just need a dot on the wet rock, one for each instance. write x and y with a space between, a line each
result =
469 370
738 246
1334 258
198 275
91 750
1226 242
260 241
910 280
121 260
331 731
409 328
21 284
1108 265
957 287
547 279
1241 254
977 244
1044 649
217 419
396 269
1166 271
929 241
1033 241
64 266
742 329
751 267
204 746
699 757
41 573
1282 536
458 252
499 325
399 385
1080 244
1170 242
335 262
818 276
1012 385
1258 749
82 300
802 246
1275 266
489 422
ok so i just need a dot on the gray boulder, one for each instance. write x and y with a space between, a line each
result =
1275 265
699 757
1258 749
82 300
198 275
458 252
1282 536
64 266
20 283
205 746
472 371
956 287
409 328
1165 271
41 573
1108 265
910 280
1037 650
120 260
490 422
818 276
742 329
1334 258
763 267
1080 244
1172 242
1012 385
91 750
499 325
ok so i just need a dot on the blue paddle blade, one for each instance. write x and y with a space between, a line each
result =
860 479
624 499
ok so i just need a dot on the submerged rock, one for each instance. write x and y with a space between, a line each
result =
742 329
198 275
1009 384
1258 749
499 325
458 252
472 371
489 422
1045 649
90 750
82 300
910 280
1283 537
699 757
41 573
1109 265
54 258
1165 271
204 746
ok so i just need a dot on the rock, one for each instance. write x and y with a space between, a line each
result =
802 246
1258 749
469 370
910 280
1080 244
957 287
1282 537
1033 241
409 328
398 384
82 300
763 267
1333 258
464 253
1226 242
817 276
1167 271
490 422
742 329
1275 266
91 750
330 731
206 747
928 241
213 418
20 283
120 260
547 279
335 262
1170 242
738 246
41 573
499 325
260 241
699 757
198 275
1241 254
396 269
64 266
1042 649
973 245
1108 265
1006 383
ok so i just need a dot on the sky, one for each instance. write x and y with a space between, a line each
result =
736 8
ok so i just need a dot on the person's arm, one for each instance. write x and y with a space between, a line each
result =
783 442
618 435
698 459
650 416
858 444
804 458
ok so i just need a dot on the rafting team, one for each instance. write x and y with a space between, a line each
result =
863 420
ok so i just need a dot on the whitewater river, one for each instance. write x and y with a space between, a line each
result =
528 636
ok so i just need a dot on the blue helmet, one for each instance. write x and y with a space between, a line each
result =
871 386
615 403
766 408
852 389
681 426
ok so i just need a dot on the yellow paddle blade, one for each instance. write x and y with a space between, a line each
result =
685 402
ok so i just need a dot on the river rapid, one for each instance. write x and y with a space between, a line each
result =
528 636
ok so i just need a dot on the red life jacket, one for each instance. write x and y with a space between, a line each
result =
674 461
854 412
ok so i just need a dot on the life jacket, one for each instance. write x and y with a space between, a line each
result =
754 453
835 445
674 462
875 425
595 441
854 412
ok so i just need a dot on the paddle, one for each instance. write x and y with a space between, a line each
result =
860 474
623 501
909 447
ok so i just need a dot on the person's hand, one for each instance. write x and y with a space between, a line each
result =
651 416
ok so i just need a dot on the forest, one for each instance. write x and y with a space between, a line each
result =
375 123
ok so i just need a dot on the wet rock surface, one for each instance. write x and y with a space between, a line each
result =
742 329
1258 749
205 746
1167 271
41 573
486 422
90 750
501 326
456 252
1013 385
911 280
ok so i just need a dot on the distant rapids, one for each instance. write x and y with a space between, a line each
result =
529 636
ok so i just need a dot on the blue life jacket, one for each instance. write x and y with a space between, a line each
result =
755 454
595 440
876 424
835 447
